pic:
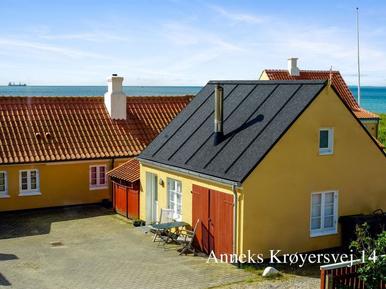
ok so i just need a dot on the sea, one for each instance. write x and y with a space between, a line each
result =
373 98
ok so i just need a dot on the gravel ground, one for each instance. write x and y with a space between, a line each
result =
293 282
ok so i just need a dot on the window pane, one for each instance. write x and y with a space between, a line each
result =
179 203
323 139
316 199
2 182
102 175
24 180
329 210
329 198
33 180
329 222
316 211
315 223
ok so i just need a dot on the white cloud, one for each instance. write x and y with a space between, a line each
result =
59 50
238 16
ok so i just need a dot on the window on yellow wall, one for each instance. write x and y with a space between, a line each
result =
324 213
326 141
174 191
98 177
3 185
29 183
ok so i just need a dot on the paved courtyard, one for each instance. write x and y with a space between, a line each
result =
89 247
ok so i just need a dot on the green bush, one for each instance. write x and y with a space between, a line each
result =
370 250
382 128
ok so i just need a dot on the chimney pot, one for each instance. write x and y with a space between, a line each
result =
293 66
218 113
115 98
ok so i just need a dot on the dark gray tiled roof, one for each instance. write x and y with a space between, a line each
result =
256 115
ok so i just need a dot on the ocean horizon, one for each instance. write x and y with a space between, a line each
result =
373 98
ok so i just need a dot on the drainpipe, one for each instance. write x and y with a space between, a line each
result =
235 201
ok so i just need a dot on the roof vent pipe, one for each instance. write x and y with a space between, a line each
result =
293 68
218 113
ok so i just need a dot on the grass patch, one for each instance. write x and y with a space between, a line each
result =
382 128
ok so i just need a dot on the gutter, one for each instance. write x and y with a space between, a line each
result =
235 203
233 184
190 173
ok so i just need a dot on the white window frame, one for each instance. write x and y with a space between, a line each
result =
98 185
322 231
330 149
172 193
4 193
29 191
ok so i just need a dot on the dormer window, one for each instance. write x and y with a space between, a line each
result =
326 141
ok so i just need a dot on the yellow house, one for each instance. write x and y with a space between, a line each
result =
55 151
271 166
369 119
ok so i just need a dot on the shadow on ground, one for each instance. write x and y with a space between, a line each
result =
4 281
38 222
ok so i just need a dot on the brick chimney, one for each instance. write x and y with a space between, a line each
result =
115 98
293 66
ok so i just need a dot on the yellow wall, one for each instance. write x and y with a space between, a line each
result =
61 184
277 195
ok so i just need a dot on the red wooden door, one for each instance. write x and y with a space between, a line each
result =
120 199
132 203
221 222
200 207
215 211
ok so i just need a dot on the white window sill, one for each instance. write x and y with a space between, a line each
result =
4 196
26 194
323 233
98 188
326 153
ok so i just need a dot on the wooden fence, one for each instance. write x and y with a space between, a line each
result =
341 275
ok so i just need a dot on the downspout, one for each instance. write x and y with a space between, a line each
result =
112 184
235 202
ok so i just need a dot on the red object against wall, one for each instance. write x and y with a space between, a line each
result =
132 203
126 201
215 211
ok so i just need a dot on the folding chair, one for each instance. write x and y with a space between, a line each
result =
166 216
186 239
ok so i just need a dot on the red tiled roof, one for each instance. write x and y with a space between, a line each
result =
40 129
128 171
337 81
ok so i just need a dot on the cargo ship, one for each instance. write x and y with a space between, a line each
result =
16 84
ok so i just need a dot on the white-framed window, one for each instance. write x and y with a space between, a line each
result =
3 185
324 213
98 178
326 141
29 183
174 190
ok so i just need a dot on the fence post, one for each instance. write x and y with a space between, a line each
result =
322 279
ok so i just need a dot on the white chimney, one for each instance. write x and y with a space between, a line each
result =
115 98
293 66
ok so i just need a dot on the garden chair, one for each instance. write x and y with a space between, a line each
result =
186 238
166 216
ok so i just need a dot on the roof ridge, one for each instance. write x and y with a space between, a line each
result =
304 70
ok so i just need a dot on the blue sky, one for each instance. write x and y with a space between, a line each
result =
185 42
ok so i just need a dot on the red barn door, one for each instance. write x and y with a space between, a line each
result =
215 211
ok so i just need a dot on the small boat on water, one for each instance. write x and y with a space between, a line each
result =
16 84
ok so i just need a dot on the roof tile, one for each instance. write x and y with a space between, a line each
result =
80 127
128 171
